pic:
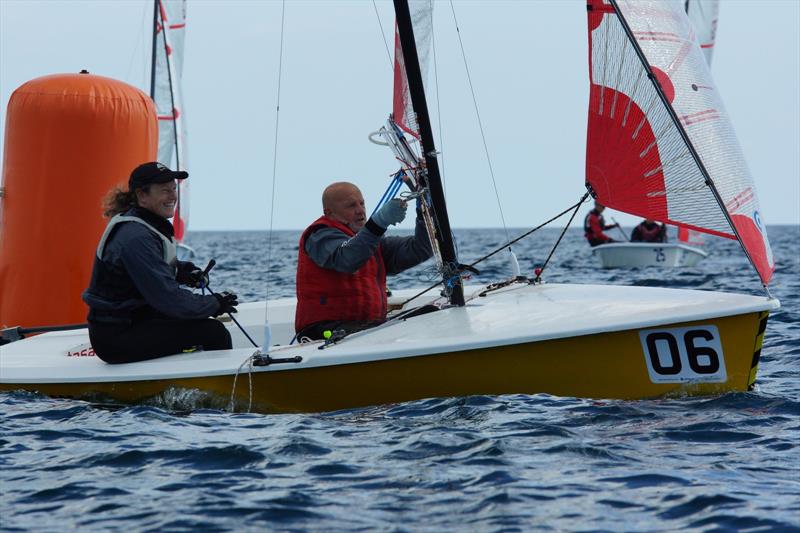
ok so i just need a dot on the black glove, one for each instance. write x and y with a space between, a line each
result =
227 303
191 275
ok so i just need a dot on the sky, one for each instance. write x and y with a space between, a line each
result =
527 61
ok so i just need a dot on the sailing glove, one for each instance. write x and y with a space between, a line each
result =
227 303
191 275
392 212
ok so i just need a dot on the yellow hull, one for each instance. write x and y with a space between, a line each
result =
604 365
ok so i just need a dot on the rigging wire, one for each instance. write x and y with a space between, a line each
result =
135 52
509 243
274 162
480 123
383 35
438 105
553 250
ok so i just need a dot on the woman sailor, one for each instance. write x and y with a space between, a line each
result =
137 310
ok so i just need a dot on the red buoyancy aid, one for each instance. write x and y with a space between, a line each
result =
593 226
325 294
650 234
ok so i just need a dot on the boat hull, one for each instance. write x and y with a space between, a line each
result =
644 254
600 364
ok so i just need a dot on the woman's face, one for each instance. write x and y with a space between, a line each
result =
160 199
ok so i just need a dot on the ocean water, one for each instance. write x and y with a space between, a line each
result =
482 463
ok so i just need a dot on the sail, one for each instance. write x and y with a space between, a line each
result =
422 21
169 31
664 148
704 15
690 236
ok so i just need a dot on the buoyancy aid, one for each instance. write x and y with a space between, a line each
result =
325 294
588 231
110 281
644 233
170 249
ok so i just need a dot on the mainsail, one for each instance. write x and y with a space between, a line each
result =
169 31
659 142
704 15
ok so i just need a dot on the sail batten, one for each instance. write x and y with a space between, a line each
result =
674 156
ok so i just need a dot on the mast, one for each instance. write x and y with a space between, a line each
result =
682 132
451 275
153 57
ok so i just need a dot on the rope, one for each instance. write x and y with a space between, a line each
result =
391 191
480 123
438 109
274 170
577 206
508 244
383 34
231 404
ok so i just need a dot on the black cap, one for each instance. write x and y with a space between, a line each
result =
153 172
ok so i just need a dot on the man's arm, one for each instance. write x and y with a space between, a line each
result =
401 253
333 249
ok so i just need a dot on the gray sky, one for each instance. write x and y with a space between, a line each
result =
527 59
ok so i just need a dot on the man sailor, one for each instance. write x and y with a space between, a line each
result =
343 260
649 231
594 224
137 310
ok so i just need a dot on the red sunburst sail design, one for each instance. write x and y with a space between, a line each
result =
422 20
637 159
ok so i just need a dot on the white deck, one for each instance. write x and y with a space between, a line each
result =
642 254
516 314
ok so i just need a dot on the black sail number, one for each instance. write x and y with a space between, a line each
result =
674 354
695 353
684 354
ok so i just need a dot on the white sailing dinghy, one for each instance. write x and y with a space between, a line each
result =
647 254
686 252
518 336
166 70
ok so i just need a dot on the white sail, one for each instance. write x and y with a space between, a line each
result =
704 15
169 30
641 148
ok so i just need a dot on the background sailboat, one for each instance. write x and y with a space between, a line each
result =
704 17
169 33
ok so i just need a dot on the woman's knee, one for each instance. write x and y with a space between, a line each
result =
219 335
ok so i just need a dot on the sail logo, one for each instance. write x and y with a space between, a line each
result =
763 229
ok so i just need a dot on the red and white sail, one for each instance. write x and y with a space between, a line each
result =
169 33
422 20
640 155
704 15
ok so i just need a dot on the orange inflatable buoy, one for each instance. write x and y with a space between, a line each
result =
69 139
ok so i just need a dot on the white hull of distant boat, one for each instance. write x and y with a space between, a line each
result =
644 254
569 340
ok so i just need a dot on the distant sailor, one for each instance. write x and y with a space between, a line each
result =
594 224
137 310
649 231
344 259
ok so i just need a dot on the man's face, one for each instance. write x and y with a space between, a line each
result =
160 199
347 206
